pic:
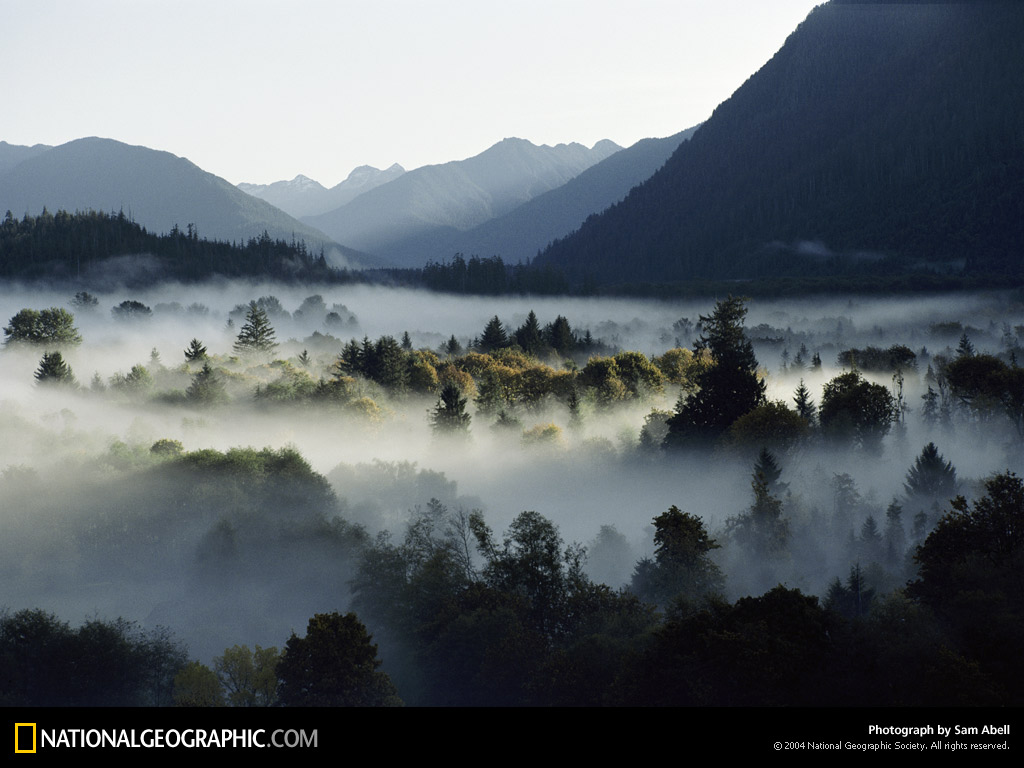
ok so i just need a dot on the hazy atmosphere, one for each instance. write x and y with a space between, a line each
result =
537 354
262 91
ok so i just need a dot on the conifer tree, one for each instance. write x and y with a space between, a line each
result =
257 334
931 476
449 416
494 336
805 406
54 370
195 352
726 389
206 387
528 335
895 536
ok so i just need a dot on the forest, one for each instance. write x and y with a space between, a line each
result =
253 495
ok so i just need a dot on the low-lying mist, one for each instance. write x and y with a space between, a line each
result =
99 521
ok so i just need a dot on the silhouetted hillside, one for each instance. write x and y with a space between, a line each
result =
879 139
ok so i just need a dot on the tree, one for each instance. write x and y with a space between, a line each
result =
452 347
131 310
852 600
559 336
726 389
971 573
858 410
85 301
528 335
196 685
987 385
54 370
769 425
248 677
256 335
931 477
196 351
206 387
494 336
449 416
334 665
682 565
54 327
805 406
762 530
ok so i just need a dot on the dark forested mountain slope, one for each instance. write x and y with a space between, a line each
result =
157 189
880 138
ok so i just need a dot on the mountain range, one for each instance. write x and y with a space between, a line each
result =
881 138
156 189
302 196
392 220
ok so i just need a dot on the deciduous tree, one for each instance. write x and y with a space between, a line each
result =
334 665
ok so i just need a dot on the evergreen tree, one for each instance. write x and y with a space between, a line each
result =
852 600
452 348
805 406
767 468
257 334
406 341
965 348
206 387
762 530
930 411
559 336
528 335
931 477
575 417
449 416
494 336
895 536
350 362
195 352
726 389
54 370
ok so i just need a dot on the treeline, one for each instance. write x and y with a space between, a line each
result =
75 246
464 617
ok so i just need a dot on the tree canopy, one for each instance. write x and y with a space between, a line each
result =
334 665
53 327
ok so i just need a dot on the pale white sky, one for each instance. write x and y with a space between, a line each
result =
262 90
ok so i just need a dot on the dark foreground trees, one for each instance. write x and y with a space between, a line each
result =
334 665
972 575
44 662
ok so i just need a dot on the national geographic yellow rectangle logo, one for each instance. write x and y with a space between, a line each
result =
25 738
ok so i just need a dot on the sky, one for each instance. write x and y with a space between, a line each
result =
261 90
